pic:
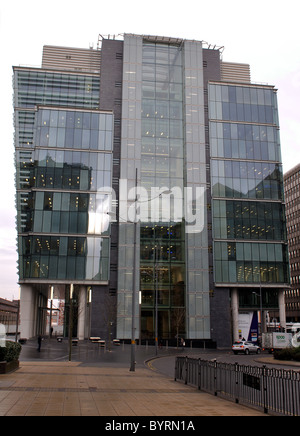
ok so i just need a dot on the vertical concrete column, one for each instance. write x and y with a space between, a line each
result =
28 312
235 313
282 311
81 313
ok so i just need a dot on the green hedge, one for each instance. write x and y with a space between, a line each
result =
10 352
288 354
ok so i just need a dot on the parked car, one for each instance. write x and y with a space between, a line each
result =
245 347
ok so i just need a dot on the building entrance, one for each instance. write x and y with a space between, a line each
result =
51 310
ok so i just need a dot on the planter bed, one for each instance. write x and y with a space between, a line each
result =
7 367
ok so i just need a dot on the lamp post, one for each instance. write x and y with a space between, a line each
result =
18 315
156 301
134 284
132 367
132 361
71 321
261 308
154 277
51 308
132 358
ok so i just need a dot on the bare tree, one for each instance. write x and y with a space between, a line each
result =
110 314
178 320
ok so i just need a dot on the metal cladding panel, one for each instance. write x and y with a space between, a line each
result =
233 72
68 58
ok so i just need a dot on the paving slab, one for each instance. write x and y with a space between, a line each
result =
44 388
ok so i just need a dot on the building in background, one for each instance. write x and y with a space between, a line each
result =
184 151
9 311
292 199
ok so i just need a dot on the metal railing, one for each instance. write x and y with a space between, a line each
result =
275 391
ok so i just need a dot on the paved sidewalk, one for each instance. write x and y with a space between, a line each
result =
67 388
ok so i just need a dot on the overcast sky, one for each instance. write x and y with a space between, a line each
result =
263 33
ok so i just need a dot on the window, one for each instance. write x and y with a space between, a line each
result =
250 263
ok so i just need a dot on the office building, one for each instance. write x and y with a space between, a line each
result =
292 200
149 167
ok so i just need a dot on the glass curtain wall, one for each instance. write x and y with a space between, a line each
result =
163 138
162 242
52 209
247 186
63 175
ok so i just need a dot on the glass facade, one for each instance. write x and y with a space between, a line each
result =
163 138
64 177
244 179
242 262
162 245
251 104
234 219
249 227
65 258
45 88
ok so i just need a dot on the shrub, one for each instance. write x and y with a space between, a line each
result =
288 354
10 352
285 354
297 354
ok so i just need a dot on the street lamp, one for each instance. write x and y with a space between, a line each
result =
156 298
51 308
18 315
71 321
132 359
156 301
134 286
132 364
261 308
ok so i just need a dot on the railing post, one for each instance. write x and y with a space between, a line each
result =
236 371
199 374
215 377
264 383
186 370
292 392
256 385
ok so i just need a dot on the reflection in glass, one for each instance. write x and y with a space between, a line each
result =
52 257
162 253
246 173
63 160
